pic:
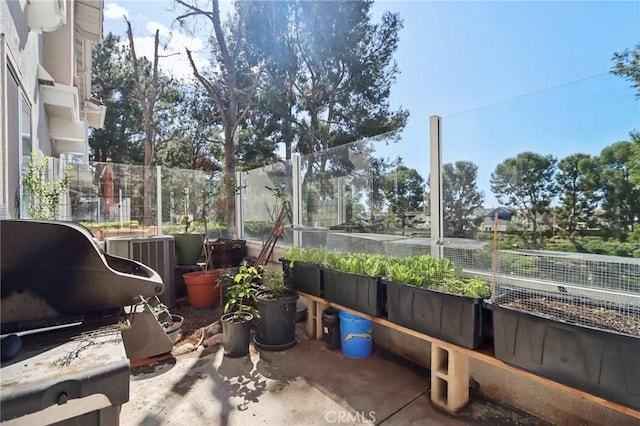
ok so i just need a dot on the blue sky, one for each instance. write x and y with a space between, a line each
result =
506 76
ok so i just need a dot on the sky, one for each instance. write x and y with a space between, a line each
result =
505 76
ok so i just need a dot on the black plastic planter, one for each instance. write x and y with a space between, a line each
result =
277 326
304 277
600 362
236 334
358 292
452 318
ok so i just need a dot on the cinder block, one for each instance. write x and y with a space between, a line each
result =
449 379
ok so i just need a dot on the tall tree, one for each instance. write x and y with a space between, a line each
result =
329 73
461 197
526 182
266 28
196 141
621 195
230 83
112 80
151 87
403 188
627 65
578 181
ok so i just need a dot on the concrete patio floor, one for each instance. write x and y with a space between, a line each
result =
304 385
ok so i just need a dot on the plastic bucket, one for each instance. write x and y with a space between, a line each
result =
331 328
355 335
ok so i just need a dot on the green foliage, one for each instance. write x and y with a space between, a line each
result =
435 274
420 271
44 195
461 198
328 74
242 293
578 178
627 66
113 225
403 189
526 182
373 265
273 283
317 256
621 193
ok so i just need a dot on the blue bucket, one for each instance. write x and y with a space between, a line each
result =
355 335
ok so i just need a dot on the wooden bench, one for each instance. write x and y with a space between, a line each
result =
450 373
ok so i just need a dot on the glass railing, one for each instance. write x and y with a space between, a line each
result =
544 178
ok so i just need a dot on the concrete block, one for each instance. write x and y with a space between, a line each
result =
449 379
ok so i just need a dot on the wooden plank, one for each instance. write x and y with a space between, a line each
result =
483 357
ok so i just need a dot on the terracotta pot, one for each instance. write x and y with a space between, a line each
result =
203 288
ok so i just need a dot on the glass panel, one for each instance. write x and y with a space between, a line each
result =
266 189
548 179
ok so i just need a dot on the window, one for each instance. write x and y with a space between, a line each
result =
19 141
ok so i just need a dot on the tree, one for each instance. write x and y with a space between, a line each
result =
621 195
578 180
627 65
230 83
461 197
196 142
404 190
526 182
329 71
112 81
150 88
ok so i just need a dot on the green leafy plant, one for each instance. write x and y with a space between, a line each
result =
436 274
44 194
358 263
316 256
273 284
241 295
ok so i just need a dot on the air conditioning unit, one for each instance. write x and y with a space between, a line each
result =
157 252
46 15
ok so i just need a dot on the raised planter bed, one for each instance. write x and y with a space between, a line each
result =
358 292
598 361
452 318
304 277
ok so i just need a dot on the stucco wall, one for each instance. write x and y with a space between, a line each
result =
22 50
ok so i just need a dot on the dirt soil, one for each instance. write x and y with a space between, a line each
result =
583 314
194 321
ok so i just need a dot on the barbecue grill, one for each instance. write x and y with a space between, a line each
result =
63 297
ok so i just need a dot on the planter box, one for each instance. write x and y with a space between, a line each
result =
600 362
226 253
358 292
304 277
452 318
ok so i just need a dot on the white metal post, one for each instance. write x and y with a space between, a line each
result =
435 185
239 206
296 203
159 198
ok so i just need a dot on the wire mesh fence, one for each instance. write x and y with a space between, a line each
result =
585 289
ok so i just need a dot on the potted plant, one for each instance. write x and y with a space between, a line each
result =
301 267
239 311
203 287
353 280
188 244
277 307
430 296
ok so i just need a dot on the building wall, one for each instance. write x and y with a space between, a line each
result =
22 51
